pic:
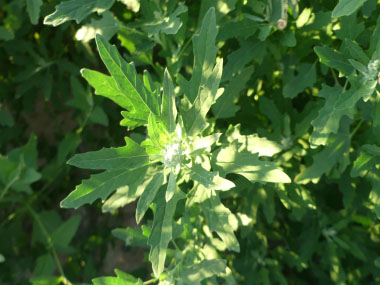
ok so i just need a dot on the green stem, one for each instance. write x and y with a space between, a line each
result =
9 185
151 281
335 78
356 128
50 245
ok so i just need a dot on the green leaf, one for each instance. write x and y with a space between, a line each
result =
168 108
334 59
148 195
204 143
346 7
195 273
67 146
194 119
157 132
224 106
324 161
106 86
101 186
210 180
338 104
107 26
306 78
2 258
356 51
172 185
166 24
76 10
204 58
6 119
236 159
33 7
349 28
218 217
162 230
6 34
126 157
144 102
121 279
62 236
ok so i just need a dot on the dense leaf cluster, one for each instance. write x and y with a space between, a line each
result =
243 134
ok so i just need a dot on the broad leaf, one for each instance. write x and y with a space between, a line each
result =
144 102
225 105
126 157
236 159
33 7
101 186
204 57
325 160
107 26
194 119
210 180
346 7
76 10
219 218
334 59
195 273
306 78
106 86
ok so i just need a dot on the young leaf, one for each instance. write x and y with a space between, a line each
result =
76 10
204 57
346 7
162 229
127 80
148 195
126 157
168 108
157 132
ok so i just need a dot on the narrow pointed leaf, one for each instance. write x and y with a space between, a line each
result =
148 195
171 186
100 186
33 7
162 230
129 156
168 109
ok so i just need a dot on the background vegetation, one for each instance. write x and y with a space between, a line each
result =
300 82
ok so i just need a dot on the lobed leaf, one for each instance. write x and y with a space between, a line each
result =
76 10
126 157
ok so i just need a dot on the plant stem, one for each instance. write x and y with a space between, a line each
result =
150 281
356 128
50 245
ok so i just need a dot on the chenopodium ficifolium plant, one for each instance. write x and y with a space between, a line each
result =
177 150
